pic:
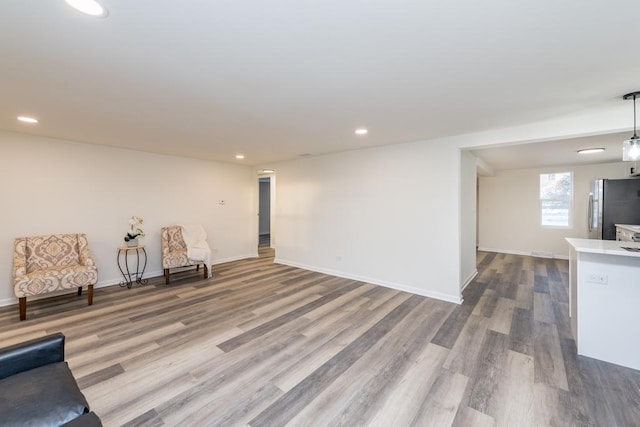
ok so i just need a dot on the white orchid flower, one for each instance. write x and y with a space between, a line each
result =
134 230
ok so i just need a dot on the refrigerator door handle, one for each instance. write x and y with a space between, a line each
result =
590 212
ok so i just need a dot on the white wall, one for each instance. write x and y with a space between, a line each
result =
386 215
423 251
509 216
54 186
468 224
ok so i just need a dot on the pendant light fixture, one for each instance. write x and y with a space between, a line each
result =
631 147
89 7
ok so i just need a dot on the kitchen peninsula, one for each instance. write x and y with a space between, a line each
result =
604 285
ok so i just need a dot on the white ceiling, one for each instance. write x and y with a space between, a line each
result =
554 153
273 80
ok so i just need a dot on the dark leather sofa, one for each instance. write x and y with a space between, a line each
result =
38 389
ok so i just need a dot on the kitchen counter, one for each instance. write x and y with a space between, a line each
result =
608 247
632 228
604 287
627 233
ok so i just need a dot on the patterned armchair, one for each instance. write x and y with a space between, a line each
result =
174 252
43 264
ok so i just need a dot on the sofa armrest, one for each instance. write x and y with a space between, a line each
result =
20 257
86 258
89 419
164 246
31 354
164 241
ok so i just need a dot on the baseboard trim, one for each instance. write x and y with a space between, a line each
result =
386 284
8 301
469 280
523 253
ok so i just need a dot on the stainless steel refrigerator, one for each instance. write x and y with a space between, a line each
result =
611 202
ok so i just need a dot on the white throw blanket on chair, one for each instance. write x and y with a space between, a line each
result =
197 247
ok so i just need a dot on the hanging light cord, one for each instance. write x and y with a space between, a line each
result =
635 136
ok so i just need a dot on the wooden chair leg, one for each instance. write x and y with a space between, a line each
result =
166 276
90 294
22 305
79 290
206 271
197 267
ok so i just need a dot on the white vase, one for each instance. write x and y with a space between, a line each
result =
132 242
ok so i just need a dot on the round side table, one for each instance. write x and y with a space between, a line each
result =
131 277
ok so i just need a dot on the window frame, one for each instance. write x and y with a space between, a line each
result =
541 201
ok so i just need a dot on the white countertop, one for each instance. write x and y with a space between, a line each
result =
607 247
632 228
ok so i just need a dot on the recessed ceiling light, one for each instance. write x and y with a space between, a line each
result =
239 156
27 119
268 170
89 7
590 150
361 131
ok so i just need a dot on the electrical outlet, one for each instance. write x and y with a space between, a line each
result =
597 278
222 202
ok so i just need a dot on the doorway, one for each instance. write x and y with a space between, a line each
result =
264 211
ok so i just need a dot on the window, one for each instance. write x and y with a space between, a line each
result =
556 195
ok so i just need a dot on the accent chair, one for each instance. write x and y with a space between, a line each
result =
44 264
174 252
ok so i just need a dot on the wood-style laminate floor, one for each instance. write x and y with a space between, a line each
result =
267 345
